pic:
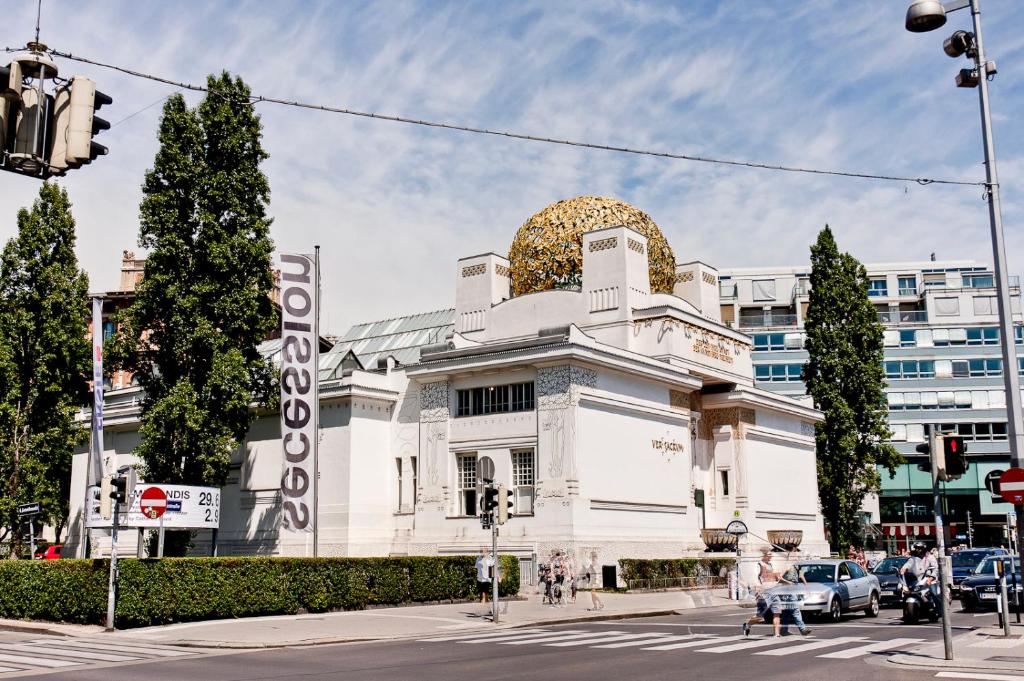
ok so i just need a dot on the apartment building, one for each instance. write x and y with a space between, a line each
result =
943 365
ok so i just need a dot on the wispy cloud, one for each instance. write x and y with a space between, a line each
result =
393 206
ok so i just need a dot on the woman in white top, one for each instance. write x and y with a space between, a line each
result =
595 600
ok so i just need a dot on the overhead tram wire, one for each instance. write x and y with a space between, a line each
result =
256 99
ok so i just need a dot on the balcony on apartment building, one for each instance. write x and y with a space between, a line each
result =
767 319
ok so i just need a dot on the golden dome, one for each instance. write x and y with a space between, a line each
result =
547 252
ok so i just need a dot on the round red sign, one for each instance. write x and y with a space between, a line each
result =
1011 486
153 502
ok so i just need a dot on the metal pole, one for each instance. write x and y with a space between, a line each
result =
31 537
112 584
316 409
140 542
494 576
1011 380
1004 603
940 542
160 539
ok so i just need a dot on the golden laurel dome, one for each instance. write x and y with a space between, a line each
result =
547 252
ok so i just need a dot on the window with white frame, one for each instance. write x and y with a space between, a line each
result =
415 480
466 484
908 285
878 288
398 466
524 480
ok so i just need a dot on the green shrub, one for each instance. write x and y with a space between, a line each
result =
670 568
155 591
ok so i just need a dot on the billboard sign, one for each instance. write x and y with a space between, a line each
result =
184 507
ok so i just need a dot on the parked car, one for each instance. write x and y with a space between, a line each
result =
981 590
966 562
830 588
888 573
51 552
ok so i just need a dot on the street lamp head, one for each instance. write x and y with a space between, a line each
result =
925 15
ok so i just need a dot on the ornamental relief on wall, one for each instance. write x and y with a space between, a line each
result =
732 416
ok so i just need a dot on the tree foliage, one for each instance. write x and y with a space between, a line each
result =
844 374
44 361
203 305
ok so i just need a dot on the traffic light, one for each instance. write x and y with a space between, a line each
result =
490 499
506 504
936 458
75 123
105 510
954 452
119 491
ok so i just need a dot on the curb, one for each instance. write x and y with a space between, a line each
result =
371 639
909 662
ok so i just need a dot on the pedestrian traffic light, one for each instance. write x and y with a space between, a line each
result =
75 123
955 453
119 491
490 499
105 510
506 504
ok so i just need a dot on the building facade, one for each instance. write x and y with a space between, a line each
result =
943 366
626 422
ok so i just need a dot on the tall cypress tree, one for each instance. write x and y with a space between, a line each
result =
44 362
844 375
203 305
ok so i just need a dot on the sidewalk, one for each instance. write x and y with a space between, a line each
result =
393 623
982 650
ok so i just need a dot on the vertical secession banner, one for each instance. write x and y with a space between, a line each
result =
97 466
299 400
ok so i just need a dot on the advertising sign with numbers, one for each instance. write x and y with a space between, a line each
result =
183 506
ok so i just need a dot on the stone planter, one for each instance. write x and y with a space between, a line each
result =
788 540
718 540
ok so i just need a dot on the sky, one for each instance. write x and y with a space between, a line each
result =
811 83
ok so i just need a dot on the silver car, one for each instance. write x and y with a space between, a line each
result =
829 588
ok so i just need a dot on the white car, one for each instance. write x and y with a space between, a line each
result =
828 588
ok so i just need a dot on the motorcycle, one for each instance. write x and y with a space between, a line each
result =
918 602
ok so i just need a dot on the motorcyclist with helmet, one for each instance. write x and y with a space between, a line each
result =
923 566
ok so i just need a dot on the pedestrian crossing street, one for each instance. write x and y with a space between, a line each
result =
837 648
54 653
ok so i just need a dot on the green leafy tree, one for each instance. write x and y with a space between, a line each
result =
203 305
44 362
844 375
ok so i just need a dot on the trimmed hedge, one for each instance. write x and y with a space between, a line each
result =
670 568
155 591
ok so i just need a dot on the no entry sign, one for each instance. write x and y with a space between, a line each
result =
153 502
1011 486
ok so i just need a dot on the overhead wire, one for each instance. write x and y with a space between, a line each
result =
257 99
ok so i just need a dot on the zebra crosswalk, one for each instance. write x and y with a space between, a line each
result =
58 654
837 648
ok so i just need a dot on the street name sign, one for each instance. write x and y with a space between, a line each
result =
1011 486
29 509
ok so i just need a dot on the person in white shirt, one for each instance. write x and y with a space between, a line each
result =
484 564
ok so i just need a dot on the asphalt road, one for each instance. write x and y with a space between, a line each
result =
697 645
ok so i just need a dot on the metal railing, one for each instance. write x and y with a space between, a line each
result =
903 317
767 320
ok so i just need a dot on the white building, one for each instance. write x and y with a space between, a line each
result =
944 369
607 408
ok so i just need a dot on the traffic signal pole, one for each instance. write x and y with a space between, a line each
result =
494 577
940 542
112 584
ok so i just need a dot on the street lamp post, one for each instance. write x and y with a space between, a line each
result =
928 15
